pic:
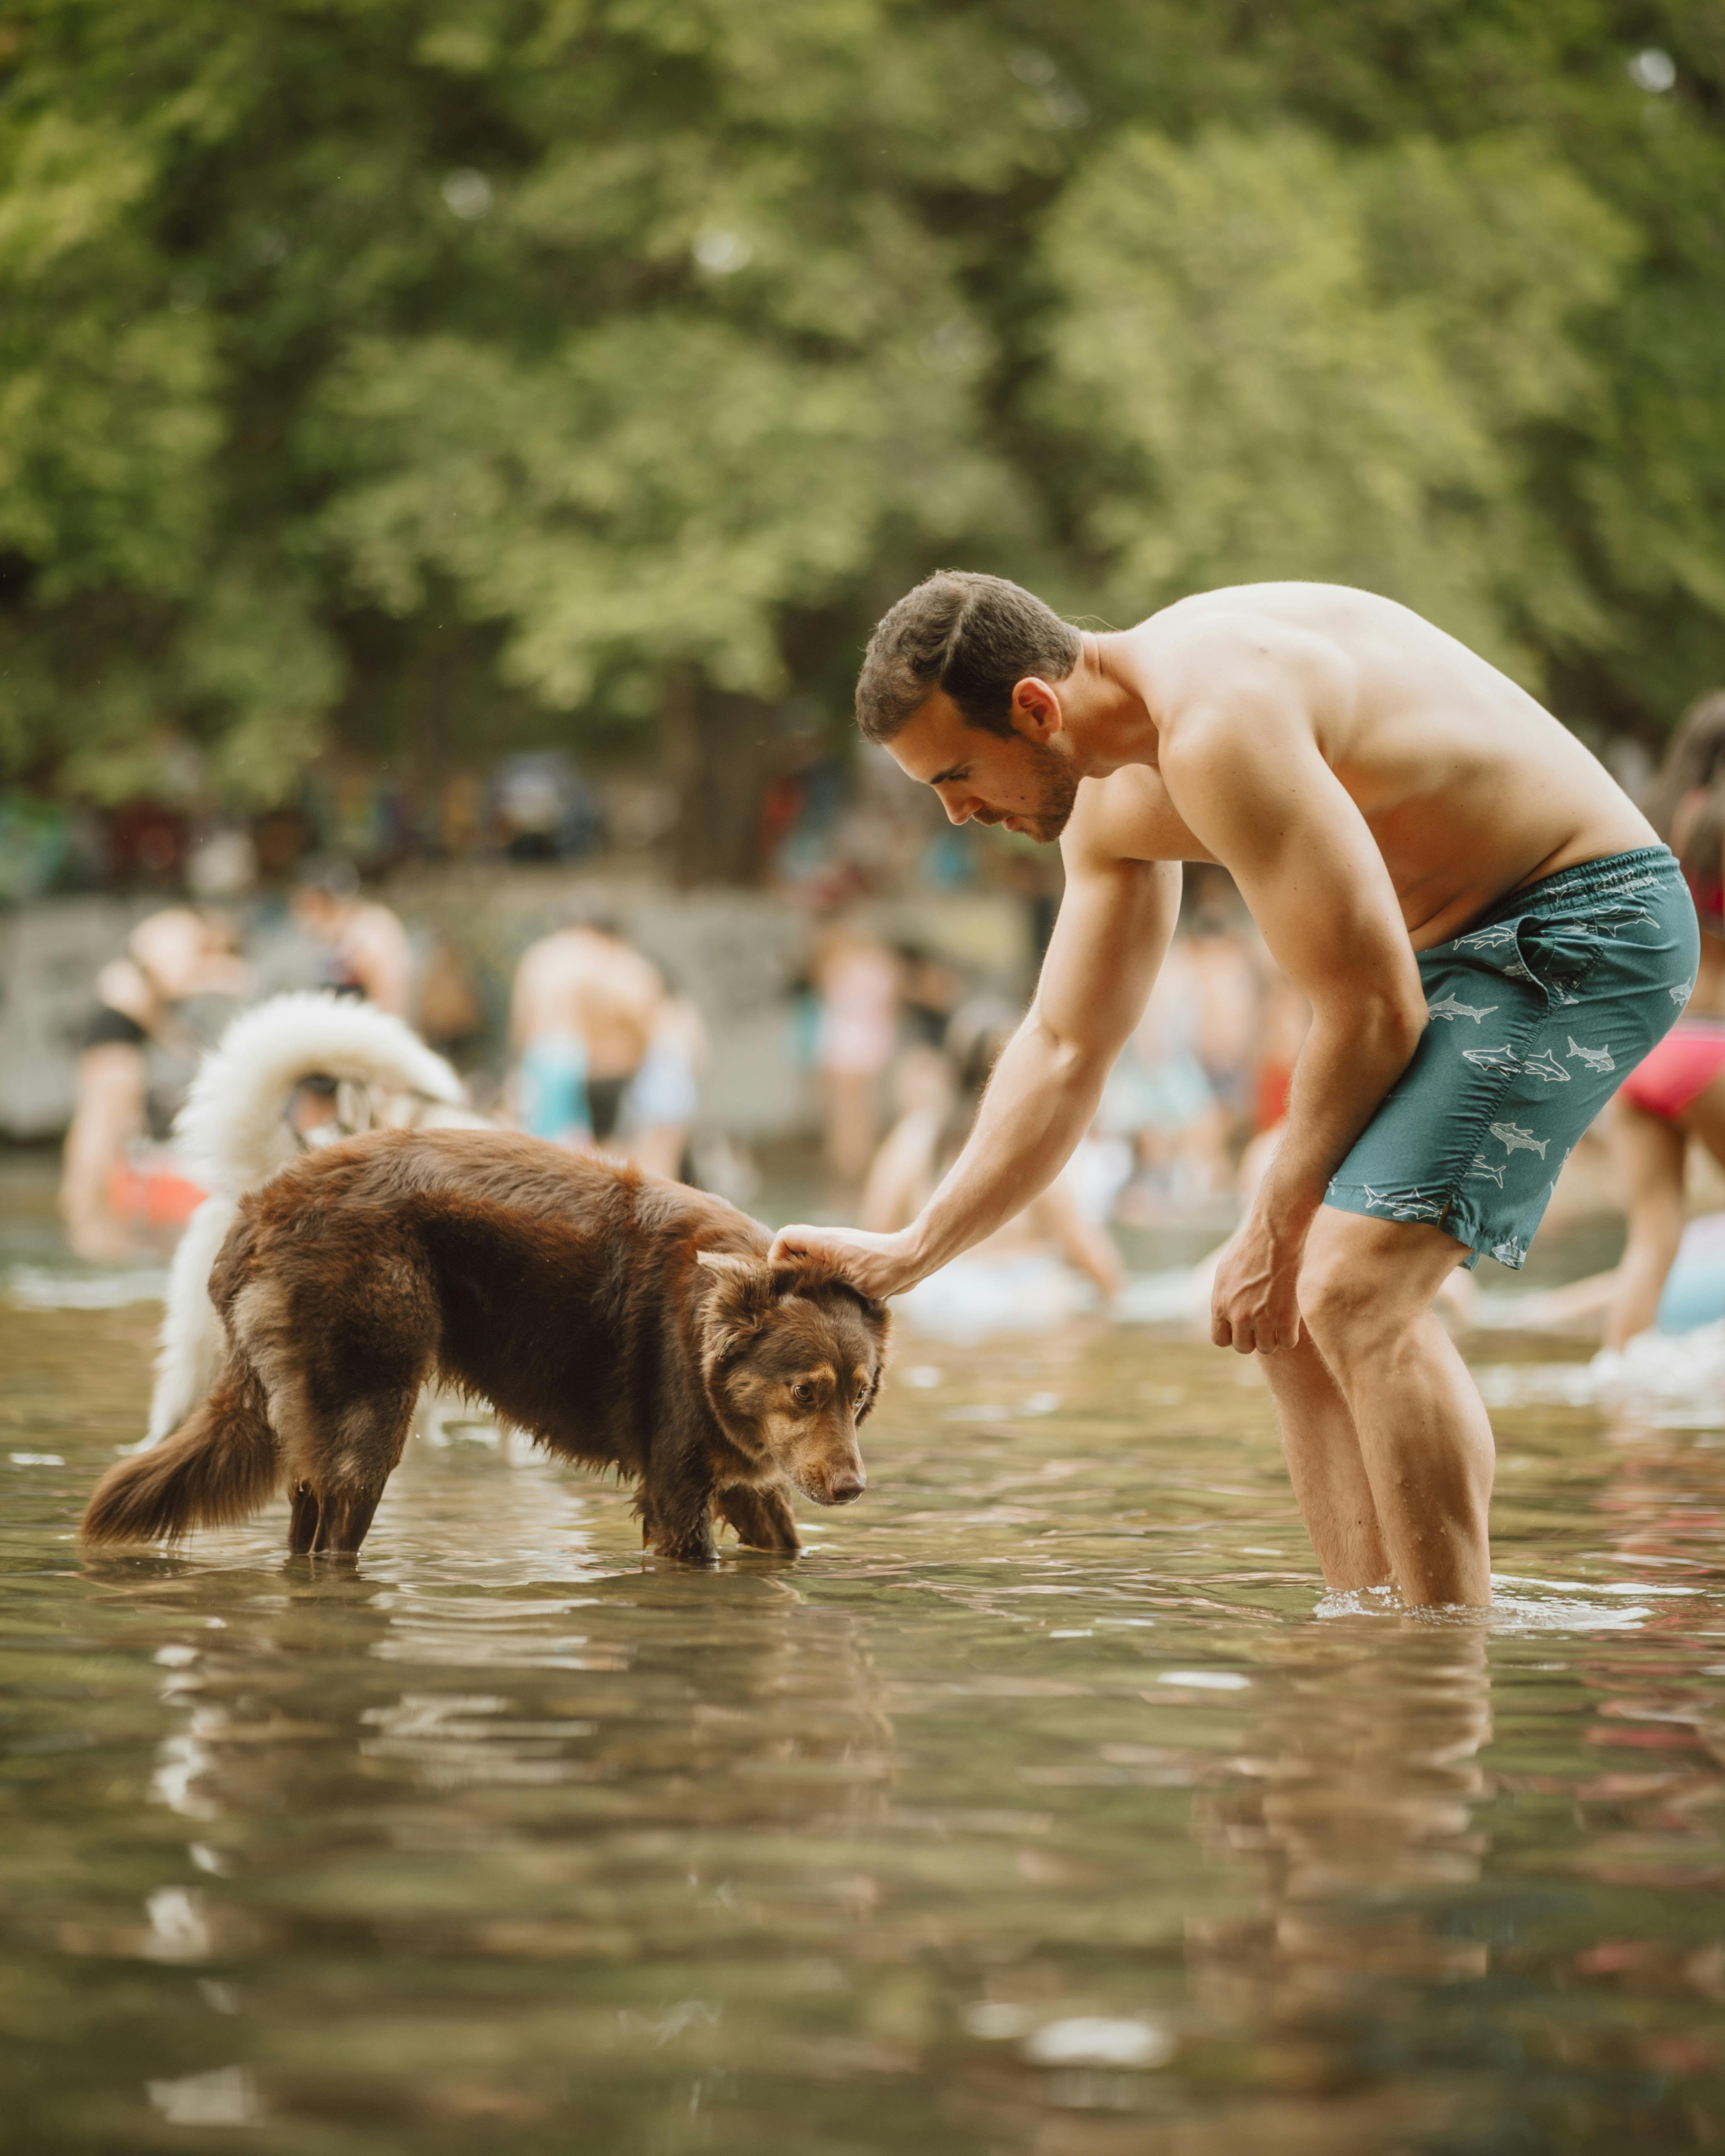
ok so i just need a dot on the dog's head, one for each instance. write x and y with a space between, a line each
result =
792 1356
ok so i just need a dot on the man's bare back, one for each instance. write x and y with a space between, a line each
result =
1469 787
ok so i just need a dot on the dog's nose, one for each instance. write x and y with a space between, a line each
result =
847 1485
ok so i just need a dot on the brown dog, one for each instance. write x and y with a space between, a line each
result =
622 1320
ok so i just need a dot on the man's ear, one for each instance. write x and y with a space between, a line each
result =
1036 713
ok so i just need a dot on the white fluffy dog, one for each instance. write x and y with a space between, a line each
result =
234 1132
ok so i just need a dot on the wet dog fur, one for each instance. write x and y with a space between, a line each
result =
623 1321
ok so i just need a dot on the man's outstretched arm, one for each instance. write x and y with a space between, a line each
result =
1114 923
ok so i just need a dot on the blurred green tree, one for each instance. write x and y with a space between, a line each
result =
435 374
1274 357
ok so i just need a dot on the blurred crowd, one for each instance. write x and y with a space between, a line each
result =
600 1053
601 1050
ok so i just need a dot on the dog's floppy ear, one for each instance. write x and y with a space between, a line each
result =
740 1295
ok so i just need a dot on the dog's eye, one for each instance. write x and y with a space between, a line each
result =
803 1393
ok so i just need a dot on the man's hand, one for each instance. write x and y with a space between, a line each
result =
1255 1302
881 1265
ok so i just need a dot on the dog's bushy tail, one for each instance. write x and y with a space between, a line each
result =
218 1467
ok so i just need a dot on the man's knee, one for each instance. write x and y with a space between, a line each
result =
1343 1306
1363 1289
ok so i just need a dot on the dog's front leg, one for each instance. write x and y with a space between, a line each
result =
331 1523
762 1518
678 1523
302 1521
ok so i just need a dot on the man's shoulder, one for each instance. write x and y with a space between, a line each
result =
1247 622
1125 817
1239 651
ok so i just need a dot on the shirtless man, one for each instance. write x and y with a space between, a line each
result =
607 1058
1488 931
364 947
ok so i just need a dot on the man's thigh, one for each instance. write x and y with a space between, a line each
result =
1354 1265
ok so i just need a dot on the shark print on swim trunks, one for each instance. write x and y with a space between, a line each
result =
1452 1007
1405 1204
1579 974
1596 1058
1541 1065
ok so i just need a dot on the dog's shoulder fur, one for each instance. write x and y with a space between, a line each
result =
563 1283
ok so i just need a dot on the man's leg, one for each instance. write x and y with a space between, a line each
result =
1366 1291
1326 1467
1649 1155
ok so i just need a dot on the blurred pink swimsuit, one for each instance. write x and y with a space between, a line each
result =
1682 1067
859 1017
1679 1070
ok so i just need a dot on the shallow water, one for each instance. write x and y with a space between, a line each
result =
1034 1810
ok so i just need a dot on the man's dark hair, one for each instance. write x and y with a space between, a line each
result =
975 637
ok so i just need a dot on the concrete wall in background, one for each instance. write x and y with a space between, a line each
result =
49 957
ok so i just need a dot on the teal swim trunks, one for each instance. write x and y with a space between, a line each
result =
1537 1015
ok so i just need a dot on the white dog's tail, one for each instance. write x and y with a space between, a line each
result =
191 1345
231 1132
233 1136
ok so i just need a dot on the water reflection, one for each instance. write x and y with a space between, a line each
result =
1358 1802
1033 1812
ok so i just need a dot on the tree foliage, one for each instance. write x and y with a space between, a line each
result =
433 372
1275 357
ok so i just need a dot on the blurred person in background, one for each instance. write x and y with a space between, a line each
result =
449 1010
543 808
857 981
606 1057
1231 969
939 1095
170 992
1159 1096
930 990
1677 1093
362 947
659 1111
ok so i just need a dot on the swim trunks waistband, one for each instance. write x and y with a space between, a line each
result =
1581 879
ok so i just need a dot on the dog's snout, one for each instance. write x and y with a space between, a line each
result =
847 1485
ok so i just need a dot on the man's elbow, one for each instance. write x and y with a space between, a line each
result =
1069 1058
1395 1024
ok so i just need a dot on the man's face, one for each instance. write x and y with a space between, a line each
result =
1013 779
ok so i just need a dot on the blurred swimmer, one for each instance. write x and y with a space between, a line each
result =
364 946
1677 1093
172 960
607 1059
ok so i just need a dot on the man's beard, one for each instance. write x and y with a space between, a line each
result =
1058 791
